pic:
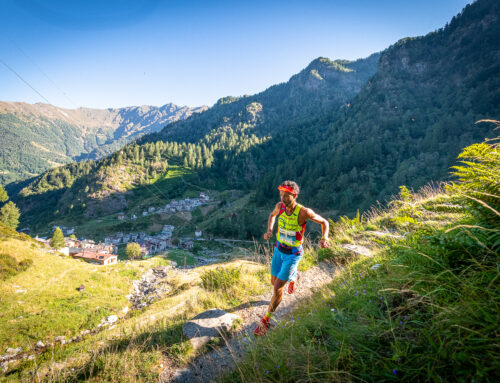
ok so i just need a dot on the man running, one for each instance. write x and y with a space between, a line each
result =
292 218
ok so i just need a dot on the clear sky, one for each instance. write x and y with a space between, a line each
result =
115 53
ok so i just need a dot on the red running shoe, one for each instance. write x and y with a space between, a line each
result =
264 324
291 287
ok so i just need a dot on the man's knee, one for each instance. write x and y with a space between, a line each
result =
278 286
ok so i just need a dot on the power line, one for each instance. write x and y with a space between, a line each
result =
26 82
42 72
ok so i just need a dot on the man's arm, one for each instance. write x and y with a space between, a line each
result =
271 220
325 226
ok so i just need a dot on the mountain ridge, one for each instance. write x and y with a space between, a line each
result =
65 135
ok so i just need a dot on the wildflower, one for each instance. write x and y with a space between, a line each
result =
370 301
406 316
400 322
364 291
394 372
278 366
332 310
267 372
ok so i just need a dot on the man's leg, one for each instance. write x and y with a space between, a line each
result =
292 264
277 295
279 284
276 268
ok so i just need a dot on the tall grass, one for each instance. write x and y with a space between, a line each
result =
429 312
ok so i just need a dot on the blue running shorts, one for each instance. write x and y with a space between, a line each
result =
284 266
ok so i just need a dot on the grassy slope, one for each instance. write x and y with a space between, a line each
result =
428 313
51 305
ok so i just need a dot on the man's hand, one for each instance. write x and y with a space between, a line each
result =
268 234
324 243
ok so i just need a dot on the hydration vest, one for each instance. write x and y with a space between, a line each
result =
290 233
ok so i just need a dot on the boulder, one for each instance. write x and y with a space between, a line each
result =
112 319
361 250
60 339
208 325
14 351
39 344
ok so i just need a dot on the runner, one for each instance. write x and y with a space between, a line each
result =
292 218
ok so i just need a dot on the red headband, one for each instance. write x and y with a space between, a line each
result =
287 189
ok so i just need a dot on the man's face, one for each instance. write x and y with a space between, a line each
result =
287 198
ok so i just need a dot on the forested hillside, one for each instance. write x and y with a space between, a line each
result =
39 137
346 149
408 124
206 146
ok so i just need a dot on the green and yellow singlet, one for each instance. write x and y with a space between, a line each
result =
290 233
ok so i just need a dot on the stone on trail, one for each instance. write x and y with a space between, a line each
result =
384 234
358 249
208 325
111 319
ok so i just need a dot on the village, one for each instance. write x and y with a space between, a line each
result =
106 252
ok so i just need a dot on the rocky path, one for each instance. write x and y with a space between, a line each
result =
209 366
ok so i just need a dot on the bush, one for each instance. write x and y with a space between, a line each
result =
220 278
10 267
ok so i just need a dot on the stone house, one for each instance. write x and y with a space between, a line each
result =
97 257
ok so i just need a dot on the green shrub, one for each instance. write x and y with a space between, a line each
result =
10 267
220 278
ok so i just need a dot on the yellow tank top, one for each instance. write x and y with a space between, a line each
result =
290 233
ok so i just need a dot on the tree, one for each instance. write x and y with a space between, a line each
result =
3 195
9 215
197 248
57 240
133 250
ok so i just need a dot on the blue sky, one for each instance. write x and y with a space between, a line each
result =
115 53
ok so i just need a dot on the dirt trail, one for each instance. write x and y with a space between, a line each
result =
209 366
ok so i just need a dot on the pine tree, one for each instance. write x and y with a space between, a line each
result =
9 215
57 240
3 195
